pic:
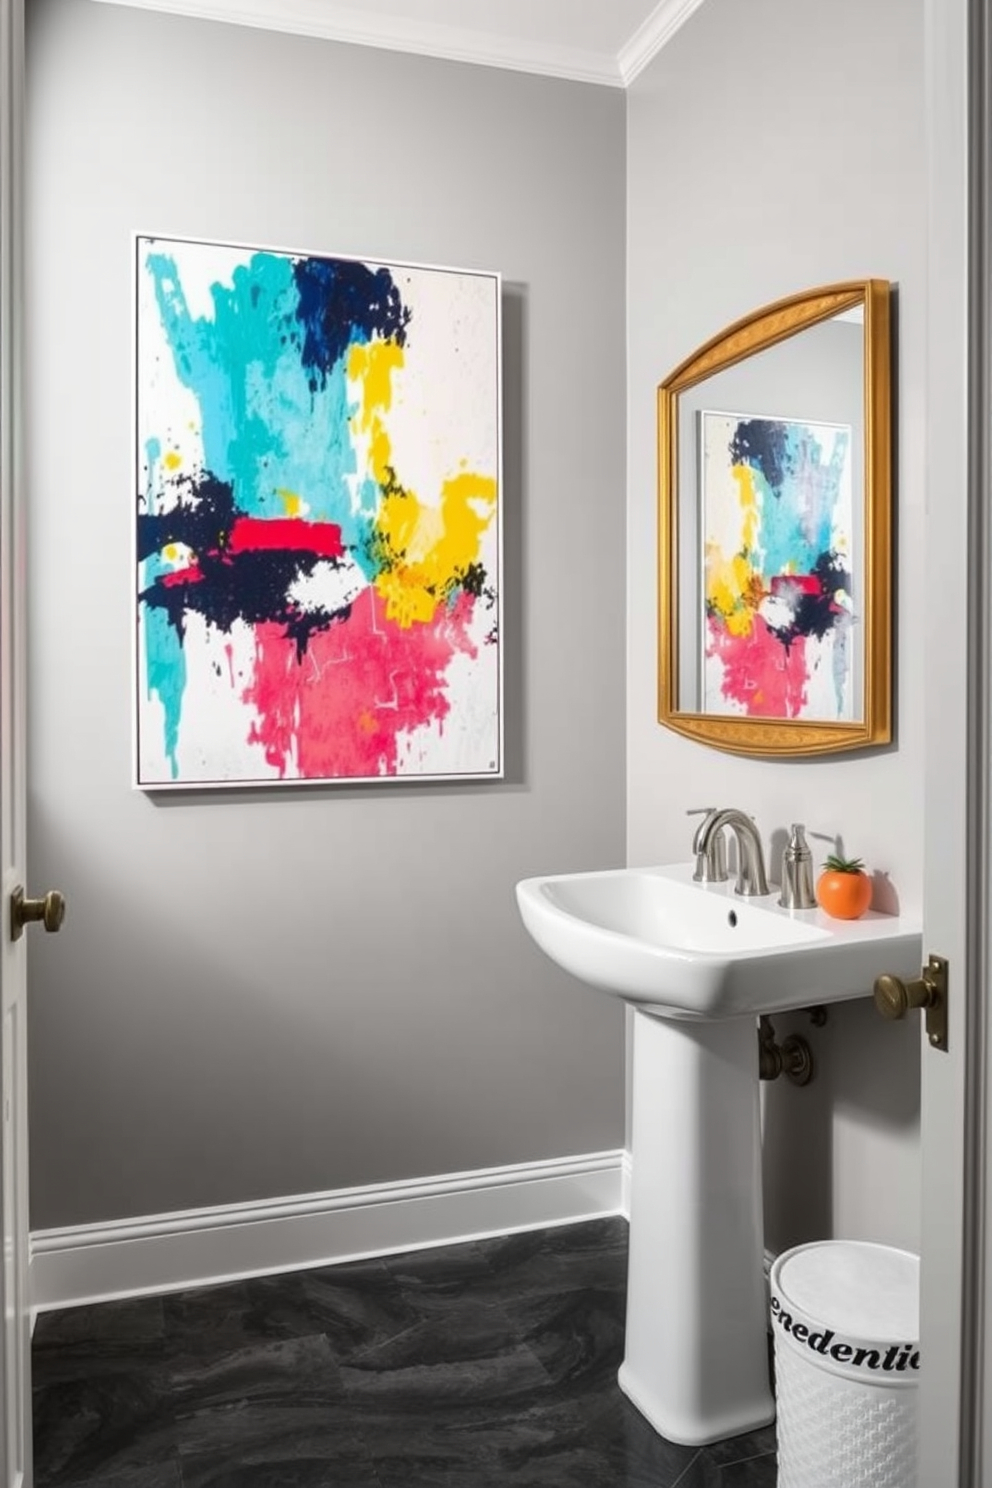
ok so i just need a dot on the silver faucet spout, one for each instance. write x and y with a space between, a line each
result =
751 880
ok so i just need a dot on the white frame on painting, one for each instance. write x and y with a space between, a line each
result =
318 534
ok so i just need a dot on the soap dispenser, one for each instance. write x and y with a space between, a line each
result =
797 872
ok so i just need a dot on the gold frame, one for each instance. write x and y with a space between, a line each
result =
756 332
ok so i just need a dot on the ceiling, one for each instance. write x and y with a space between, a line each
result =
596 41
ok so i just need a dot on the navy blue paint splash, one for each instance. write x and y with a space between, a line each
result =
223 587
342 302
815 614
762 444
202 519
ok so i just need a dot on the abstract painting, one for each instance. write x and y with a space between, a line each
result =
779 568
318 518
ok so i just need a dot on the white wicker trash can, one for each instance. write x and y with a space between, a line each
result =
845 1318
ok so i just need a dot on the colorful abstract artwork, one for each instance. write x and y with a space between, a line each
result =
318 518
778 568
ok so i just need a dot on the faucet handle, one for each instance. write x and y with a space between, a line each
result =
705 812
711 865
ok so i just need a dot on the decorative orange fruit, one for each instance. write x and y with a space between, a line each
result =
843 889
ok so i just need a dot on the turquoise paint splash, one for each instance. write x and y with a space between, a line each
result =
266 429
165 663
799 514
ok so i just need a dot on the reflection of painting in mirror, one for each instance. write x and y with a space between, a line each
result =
777 536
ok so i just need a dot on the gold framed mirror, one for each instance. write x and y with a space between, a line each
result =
775 526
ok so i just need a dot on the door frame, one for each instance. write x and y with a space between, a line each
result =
976 1391
956 1122
15 1302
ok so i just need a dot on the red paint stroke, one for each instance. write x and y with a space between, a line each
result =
767 679
285 535
182 576
796 583
339 713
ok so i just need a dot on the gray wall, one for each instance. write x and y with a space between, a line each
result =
772 147
271 993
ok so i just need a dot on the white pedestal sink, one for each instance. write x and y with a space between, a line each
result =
699 964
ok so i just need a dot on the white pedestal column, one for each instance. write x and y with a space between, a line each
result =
696 1359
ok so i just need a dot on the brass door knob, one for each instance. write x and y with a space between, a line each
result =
50 911
894 997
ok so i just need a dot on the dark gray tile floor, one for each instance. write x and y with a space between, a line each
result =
472 1366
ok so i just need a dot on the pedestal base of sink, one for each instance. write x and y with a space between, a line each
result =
696 1356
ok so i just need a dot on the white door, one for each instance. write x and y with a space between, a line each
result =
15 1357
956 1395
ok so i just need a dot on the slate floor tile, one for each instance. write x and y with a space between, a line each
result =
705 1471
565 1258
741 1448
357 1306
545 1445
486 1365
436 1279
411 1378
111 1338
319 1456
577 1335
240 1389
102 1426
162 1475
115 1327
217 1320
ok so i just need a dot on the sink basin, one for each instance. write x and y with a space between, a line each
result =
688 950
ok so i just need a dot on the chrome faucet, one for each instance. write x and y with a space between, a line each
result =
751 879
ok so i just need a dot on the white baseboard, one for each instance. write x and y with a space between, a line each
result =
199 1247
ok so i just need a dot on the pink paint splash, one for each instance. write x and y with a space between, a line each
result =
766 678
339 712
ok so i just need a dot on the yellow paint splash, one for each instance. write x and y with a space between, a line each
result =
372 366
424 552
291 503
429 550
733 587
173 460
747 495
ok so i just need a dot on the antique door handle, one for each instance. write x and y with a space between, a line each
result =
894 998
50 911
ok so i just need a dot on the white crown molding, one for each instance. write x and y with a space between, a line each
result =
659 28
203 1247
331 21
